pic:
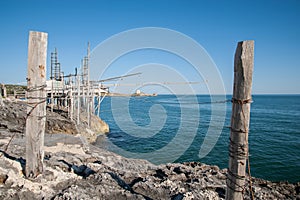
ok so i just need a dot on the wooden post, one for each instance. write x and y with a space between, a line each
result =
36 109
1 100
71 102
78 99
93 101
98 100
83 102
89 105
4 94
240 118
1 91
52 99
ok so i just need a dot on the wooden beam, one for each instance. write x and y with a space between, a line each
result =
71 99
1 100
36 109
4 93
78 99
240 118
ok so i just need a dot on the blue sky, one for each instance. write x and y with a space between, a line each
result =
216 25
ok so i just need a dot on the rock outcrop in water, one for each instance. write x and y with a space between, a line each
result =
76 170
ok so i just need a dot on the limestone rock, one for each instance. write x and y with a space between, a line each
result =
13 118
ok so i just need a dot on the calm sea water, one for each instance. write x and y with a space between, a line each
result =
274 138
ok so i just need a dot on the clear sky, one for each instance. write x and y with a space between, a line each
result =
216 25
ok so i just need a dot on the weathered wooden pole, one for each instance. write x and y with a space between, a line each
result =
36 109
71 102
52 98
240 118
90 96
78 99
93 101
4 94
1 100
98 100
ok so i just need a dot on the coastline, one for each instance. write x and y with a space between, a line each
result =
13 118
76 169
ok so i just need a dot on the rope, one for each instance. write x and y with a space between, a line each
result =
36 88
34 107
12 137
250 180
238 153
237 177
241 102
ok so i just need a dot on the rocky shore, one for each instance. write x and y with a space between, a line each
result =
13 118
74 169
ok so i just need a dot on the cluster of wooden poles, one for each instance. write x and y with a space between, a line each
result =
75 96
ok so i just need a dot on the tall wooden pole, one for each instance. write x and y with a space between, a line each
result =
78 99
240 118
36 109
1 100
4 94
98 100
71 100
52 79
89 105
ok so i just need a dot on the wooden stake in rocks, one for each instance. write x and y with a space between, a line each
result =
240 118
1 100
36 109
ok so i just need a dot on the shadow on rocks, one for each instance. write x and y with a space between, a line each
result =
81 170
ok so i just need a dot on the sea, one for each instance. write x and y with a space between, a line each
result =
186 128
